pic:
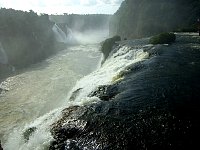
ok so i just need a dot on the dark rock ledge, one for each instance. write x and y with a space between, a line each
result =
156 106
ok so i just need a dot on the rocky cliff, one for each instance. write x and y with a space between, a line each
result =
140 18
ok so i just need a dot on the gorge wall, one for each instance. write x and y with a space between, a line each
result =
26 38
141 18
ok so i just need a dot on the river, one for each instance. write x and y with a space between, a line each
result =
44 86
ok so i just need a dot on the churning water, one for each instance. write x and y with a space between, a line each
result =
42 88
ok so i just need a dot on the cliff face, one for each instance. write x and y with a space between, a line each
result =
140 18
25 38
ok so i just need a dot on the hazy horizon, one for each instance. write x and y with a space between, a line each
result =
64 6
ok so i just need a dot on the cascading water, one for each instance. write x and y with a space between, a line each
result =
121 58
118 62
59 34
38 90
64 37
70 36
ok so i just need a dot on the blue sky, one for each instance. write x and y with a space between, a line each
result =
64 6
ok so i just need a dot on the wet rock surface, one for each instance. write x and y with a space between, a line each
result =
108 44
157 106
1 146
28 133
105 92
75 94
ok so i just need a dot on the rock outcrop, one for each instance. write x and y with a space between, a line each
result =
155 106
107 45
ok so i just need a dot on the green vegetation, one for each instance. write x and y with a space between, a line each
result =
163 38
108 44
26 37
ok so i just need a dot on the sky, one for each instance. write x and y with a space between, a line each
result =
64 6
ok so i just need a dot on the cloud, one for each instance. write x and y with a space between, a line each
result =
88 2
64 6
117 1
111 2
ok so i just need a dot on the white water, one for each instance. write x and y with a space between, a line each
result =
71 39
91 36
74 37
42 88
119 61
59 34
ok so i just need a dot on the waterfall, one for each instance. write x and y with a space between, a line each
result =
71 39
3 55
59 34
64 37
120 60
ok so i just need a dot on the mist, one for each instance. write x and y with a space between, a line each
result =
41 60
80 29
80 38
123 81
91 36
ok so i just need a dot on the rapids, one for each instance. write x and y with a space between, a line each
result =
43 87
81 64
137 92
